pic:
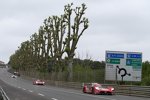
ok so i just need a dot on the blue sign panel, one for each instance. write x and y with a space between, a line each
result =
114 55
134 55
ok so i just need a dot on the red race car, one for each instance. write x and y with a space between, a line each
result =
38 82
96 88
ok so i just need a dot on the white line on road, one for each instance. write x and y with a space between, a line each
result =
54 99
41 94
23 88
30 91
94 96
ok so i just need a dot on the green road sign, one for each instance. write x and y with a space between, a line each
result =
137 67
134 62
113 61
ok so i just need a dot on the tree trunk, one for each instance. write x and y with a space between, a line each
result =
70 73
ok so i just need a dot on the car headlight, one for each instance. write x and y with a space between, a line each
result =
97 88
112 89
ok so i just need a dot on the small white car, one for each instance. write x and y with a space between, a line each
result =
14 76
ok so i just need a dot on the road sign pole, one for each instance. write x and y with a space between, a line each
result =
116 76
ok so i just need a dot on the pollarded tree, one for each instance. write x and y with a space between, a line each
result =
25 56
74 31
14 61
35 47
54 28
22 58
57 36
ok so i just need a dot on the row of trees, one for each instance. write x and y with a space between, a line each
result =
54 44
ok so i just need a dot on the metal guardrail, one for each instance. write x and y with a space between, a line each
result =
3 94
140 91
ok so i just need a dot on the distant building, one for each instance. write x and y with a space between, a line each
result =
2 64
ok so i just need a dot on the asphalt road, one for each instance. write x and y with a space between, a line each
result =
21 89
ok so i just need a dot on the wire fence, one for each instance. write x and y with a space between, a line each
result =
85 76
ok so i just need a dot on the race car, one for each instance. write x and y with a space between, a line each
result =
95 88
38 82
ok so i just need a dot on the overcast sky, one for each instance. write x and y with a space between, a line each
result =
117 25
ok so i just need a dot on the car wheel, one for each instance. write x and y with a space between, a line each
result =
93 90
84 90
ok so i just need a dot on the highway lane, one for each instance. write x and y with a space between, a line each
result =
55 93
19 94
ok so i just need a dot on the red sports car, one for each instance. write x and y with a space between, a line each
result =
96 88
38 82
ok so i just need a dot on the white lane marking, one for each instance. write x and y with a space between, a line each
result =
41 94
23 88
92 96
30 91
54 99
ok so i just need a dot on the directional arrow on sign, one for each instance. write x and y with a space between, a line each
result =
108 60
